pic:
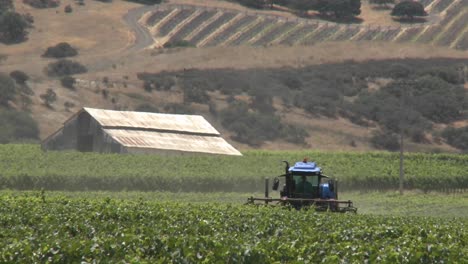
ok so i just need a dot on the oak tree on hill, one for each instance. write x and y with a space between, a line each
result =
12 27
61 50
409 10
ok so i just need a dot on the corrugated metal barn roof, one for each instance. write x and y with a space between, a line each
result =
154 121
172 141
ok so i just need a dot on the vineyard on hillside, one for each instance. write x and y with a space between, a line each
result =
58 229
27 167
204 26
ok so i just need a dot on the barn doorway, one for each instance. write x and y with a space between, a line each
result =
85 137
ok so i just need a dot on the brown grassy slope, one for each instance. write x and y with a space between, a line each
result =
99 33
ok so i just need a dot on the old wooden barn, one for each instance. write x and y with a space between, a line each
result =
109 131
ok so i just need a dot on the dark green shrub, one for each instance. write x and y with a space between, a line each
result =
146 2
64 67
15 126
68 82
60 50
147 108
408 9
262 101
68 9
6 5
175 108
398 70
291 81
257 4
19 76
436 99
7 89
148 86
178 43
68 105
249 127
385 140
160 82
418 136
451 75
339 8
105 93
457 137
42 3
49 97
195 95
382 2
12 27
294 134
212 108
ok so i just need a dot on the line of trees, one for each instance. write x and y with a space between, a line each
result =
404 10
336 8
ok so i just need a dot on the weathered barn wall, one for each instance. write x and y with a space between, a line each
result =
82 133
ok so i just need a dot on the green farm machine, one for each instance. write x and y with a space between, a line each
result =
305 186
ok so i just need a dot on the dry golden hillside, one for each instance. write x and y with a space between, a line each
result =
106 47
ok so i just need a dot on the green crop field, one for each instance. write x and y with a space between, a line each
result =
27 167
96 228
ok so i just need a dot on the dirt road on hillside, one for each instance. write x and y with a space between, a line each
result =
143 37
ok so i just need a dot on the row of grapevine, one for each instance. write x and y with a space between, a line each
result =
27 167
368 34
408 34
441 6
278 30
457 26
346 34
195 23
297 34
231 30
251 32
174 21
428 34
59 229
157 16
387 35
206 31
258 29
462 43
425 3
320 35
449 28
